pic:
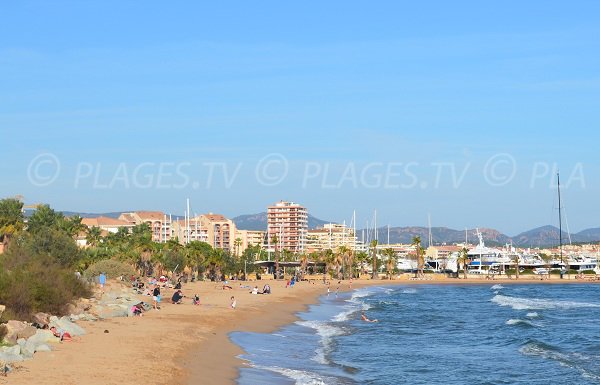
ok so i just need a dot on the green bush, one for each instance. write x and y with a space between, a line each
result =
588 272
3 332
112 268
39 286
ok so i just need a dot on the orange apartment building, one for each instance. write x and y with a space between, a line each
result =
289 222
160 224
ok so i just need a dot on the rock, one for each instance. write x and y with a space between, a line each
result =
43 337
87 317
10 358
73 329
27 332
13 329
13 350
41 319
43 348
21 342
113 311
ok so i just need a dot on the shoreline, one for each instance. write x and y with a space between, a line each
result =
187 344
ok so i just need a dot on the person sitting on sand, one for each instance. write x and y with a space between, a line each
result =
177 297
196 300
254 290
138 309
233 302
364 318
266 289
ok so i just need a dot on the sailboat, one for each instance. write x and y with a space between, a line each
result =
579 263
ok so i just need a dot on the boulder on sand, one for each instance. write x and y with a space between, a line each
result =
42 319
13 330
66 325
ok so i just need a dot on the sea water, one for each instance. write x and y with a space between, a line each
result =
426 334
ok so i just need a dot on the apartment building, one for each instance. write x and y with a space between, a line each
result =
110 225
249 238
189 231
160 223
331 236
288 221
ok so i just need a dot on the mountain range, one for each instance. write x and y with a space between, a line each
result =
545 236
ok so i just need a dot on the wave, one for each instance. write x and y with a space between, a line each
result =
327 332
345 315
532 315
497 287
301 377
409 291
538 304
520 322
361 293
583 363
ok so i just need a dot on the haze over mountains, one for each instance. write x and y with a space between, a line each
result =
545 236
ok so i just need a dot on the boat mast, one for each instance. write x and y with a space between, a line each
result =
559 219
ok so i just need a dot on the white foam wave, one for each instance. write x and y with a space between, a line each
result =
327 332
538 303
301 377
497 287
520 322
409 291
532 315
578 361
345 315
360 294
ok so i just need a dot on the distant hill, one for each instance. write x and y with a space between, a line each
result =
115 215
259 222
440 235
92 215
589 235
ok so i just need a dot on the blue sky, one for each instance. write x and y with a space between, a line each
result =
141 105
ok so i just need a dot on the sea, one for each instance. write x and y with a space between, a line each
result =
433 334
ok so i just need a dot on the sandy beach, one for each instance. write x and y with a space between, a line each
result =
187 344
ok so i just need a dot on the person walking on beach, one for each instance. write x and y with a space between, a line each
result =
156 297
233 302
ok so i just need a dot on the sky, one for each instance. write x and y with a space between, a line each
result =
463 111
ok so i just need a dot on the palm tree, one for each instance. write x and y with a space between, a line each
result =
237 243
362 259
275 241
420 259
328 257
94 236
304 263
344 253
463 259
390 262
374 254
517 260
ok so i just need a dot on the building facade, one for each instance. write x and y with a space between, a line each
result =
288 222
160 224
331 236
249 238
